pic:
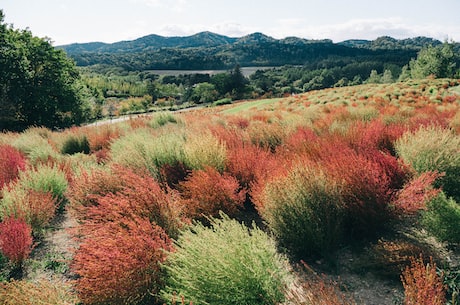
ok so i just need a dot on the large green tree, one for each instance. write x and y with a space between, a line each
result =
39 85
439 61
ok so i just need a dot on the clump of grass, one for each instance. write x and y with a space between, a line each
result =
40 292
305 210
434 149
75 144
202 149
226 263
142 150
161 119
442 218
35 144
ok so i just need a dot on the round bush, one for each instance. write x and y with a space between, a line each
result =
433 148
225 264
305 211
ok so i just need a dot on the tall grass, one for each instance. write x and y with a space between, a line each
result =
226 263
202 149
40 292
305 210
143 150
35 143
433 148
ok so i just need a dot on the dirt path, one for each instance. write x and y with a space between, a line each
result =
52 256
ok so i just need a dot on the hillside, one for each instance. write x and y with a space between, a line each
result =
208 50
329 196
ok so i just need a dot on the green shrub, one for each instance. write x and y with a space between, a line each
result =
75 144
34 143
161 119
442 218
141 150
224 101
44 178
305 211
432 149
204 149
225 264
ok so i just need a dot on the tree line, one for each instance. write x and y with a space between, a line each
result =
41 86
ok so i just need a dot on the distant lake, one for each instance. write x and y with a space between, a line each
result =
245 70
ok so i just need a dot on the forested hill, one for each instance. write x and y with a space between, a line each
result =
208 50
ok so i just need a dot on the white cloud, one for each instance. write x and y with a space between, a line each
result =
365 29
177 6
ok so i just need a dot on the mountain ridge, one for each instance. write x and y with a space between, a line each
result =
210 39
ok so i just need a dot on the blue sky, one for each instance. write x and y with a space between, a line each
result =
68 21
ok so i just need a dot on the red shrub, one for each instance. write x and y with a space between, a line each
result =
248 162
37 208
206 192
370 180
422 285
11 162
374 135
15 240
416 193
88 187
139 196
120 263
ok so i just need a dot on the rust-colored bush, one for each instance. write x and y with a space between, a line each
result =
139 196
422 285
119 263
11 162
206 192
37 208
416 193
32 293
15 240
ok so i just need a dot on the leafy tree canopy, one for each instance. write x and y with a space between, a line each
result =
439 61
39 85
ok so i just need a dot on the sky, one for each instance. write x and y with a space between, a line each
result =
70 21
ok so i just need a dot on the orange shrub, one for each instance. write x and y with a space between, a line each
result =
38 292
37 208
15 240
139 196
416 193
11 162
120 262
206 192
422 285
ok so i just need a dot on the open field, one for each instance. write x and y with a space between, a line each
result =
338 196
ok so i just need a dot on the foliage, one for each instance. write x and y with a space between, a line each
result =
45 178
15 240
35 144
39 84
442 218
121 270
422 285
207 193
143 150
305 210
416 193
202 149
225 264
37 208
11 162
75 144
433 148
438 60
41 292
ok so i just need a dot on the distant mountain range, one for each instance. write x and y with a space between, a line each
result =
207 50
